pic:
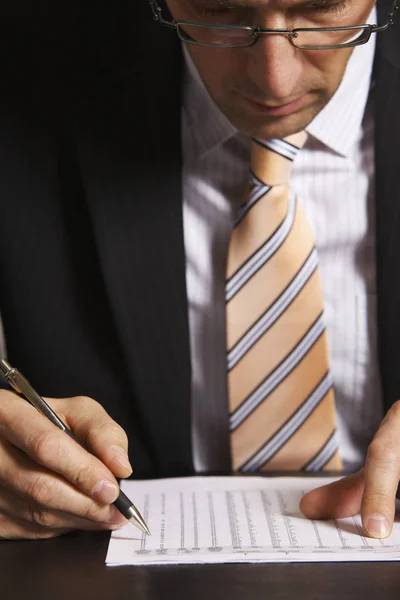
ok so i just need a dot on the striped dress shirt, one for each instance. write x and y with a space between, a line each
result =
333 177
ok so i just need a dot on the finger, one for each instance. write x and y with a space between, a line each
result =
14 509
336 500
382 473
40 490
50 447
16 529
20 530
98 432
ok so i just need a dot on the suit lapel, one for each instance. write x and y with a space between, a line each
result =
131 168
387 193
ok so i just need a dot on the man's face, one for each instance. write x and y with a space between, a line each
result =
271 89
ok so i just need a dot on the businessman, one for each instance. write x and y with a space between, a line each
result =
154 297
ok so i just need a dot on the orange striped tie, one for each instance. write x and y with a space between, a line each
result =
281 398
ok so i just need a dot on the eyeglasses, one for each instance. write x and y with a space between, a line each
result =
305 38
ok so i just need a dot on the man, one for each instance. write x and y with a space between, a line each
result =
103 293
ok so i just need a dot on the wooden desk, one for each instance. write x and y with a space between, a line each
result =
73 568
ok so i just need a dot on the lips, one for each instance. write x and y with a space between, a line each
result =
276 110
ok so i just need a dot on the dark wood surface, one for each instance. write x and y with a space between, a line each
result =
73 568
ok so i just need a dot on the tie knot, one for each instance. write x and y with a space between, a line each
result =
271 160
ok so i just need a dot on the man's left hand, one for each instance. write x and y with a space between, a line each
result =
372 491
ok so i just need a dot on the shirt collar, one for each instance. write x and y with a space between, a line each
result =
336 126
200 108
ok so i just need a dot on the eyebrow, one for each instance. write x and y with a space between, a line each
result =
221 3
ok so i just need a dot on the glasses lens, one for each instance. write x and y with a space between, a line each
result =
215 36
327 39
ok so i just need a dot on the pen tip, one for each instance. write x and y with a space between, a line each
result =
140 524
134 516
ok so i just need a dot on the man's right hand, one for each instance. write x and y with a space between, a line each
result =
49 485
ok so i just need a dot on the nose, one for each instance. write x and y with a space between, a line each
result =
276 67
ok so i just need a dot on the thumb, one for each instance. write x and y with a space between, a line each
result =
336 500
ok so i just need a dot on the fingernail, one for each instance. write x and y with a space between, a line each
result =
116 518
377 526
105 492
122 458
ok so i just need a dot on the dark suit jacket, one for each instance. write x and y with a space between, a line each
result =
92 267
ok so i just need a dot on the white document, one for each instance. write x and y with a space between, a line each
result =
238 519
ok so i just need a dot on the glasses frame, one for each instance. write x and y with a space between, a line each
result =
290 33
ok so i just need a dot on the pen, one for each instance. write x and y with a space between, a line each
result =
22 386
